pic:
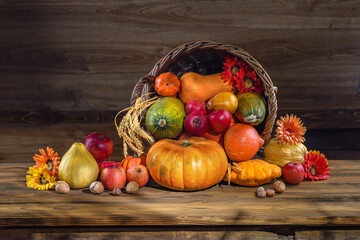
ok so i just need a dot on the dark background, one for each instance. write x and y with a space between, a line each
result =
78 61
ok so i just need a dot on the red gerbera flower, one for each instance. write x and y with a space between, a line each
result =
316 166
231 67
247 80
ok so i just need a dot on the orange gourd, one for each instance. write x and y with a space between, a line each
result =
242 142
187 165
131 161
167 84
193 85
253 172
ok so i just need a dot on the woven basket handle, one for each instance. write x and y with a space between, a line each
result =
143 87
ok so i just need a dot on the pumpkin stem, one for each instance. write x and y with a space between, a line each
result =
136 155
250 119
186 143
162 123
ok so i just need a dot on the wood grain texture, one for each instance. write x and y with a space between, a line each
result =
71 57
150 235
332 202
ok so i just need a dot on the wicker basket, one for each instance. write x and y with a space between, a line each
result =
207 58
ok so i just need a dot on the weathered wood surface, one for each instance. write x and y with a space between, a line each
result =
332 202
70 57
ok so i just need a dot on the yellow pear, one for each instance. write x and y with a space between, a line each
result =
78 168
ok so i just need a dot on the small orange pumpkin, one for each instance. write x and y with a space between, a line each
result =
167 84
131 161
242 142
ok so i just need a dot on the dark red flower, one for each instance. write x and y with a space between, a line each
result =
238 74
247 80
231 67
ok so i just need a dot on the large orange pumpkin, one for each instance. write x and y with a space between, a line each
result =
242 142
187 165
131 161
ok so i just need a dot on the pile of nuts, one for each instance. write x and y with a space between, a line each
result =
278 187
97 188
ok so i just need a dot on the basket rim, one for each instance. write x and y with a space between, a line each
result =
144 84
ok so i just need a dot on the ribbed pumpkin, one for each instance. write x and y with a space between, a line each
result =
254 172
165 118
187 165
251 108
131 161
78 168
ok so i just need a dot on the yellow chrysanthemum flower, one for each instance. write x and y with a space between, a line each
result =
40 178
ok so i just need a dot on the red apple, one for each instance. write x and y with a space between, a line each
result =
99 145
196 123
113 177
138 174
106 164
293 173
195 105
219 120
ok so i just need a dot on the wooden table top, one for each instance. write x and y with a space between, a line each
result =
331 202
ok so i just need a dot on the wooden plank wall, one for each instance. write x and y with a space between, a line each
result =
80 59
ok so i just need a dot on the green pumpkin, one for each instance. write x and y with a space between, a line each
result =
251 108
165 118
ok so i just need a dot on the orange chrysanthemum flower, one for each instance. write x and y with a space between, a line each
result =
316 166
290 130
50 158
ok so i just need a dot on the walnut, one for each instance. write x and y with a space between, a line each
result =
96 187
132 187
279 186
62 187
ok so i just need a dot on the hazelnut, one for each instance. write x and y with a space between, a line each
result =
279 186
62 187
96 187
260 192
270 192
132 187
116 191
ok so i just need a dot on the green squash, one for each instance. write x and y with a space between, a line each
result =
251 108
165 118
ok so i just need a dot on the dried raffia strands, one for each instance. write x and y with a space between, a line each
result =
129 128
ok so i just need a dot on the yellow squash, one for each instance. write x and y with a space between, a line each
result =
280 154
78 168
253 172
